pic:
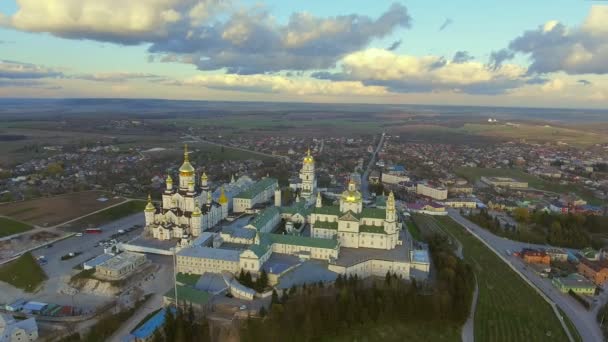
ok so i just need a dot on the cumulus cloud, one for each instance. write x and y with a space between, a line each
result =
462 57
553 47
18 70
251 42
212 34
119 21
402 73
281 84
447 22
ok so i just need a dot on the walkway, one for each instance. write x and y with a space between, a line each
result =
468 329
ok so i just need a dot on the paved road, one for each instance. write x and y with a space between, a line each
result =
364 178
584 320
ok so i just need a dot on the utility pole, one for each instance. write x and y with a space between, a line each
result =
174 250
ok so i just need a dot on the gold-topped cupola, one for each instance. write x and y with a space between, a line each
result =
186 169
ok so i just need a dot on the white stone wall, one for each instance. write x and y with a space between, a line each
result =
186 264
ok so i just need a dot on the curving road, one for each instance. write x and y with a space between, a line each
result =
583 320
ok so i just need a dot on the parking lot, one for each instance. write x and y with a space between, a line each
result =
87 244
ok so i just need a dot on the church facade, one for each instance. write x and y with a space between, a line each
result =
355 226
186 210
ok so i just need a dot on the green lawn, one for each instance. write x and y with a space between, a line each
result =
406 331
10 227
108 215
23 273
411 227
475 173
508 309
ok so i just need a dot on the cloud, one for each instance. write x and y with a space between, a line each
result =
211 34
462 57
555 85
584 82
18 70
251 42
281 84
499 57
119 77
118 21
447 22
554 47
394 46
402 73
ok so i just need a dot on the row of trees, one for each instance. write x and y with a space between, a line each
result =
316 311
564 230
182 325
260 284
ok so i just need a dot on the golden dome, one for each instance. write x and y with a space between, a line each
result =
169 179
223 199
150 206
186 169
351 194
308 159
204 176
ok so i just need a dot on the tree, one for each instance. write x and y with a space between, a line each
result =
263 312
521 215
54 169
275 297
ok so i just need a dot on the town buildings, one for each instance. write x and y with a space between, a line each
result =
575 283
12 330
120 266
596 271
434 192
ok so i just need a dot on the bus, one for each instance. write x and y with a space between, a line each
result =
93 230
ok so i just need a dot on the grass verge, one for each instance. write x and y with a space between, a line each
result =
23 273
10 227
106 216
508 309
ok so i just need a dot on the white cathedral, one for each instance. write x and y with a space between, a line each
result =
186 210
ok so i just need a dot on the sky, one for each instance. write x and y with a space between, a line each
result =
463 52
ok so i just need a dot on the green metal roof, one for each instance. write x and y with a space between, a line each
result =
296 208
265 216
373 213
371 229
302 241
256 188
326 225
189 295
328 210
259 250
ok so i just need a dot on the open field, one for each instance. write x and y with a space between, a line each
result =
105 216
50 211
472 174
508 309
537 133
467 132
405 331
23 273
10 227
